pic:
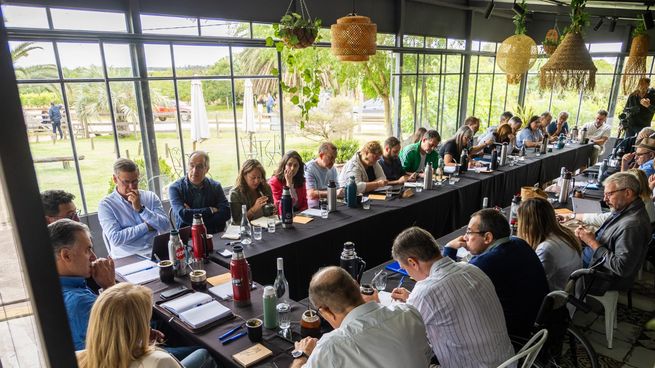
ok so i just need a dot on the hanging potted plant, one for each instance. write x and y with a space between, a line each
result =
551 41
297 30
635 66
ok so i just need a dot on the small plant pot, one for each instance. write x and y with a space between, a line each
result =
550 49
306 37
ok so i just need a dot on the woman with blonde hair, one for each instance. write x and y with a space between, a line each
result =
119 331
250 189
452 148
557 247
366 169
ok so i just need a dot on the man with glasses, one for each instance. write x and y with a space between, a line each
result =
365 334
415 156
623 238
641 158
196 193
130 218
76 261
511 264
58 204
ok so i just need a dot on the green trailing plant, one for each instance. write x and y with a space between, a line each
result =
306 87
519 20
579 18
640 29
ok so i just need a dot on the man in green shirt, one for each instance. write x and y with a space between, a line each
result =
415 156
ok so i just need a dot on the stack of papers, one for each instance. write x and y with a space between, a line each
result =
232 232
312 212
263 221
139 273
223 291
197 309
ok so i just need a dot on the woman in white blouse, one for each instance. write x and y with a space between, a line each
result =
557 247
366 169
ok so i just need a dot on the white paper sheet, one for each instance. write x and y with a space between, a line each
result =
263 221
222 291
313 212
142 277
232 232
205 314
135 267
187 302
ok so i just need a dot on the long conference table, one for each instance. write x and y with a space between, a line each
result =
307 247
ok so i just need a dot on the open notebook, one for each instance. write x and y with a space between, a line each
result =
197 309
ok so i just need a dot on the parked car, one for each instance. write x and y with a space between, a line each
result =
168 110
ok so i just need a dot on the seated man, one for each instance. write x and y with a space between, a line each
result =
598 133
642 158
544 120
458 302
476 145
415 156
365 334
130 218
623 238
196 193
504 119
627 145
513 267
391 165
58 204
560 126
76 261
319 172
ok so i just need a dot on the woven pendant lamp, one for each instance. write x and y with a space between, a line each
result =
515 56
635 66
570 66
354 38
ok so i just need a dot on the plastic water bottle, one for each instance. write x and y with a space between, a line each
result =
245 230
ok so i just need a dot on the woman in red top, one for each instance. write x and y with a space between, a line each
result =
290 172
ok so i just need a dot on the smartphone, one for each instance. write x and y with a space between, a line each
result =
174 292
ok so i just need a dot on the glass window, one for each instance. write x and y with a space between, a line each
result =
408 113
413 41
158 60
118 59
33 60
435 43
409 63
224 28
80 60
86 20
385 39
431 63
261 30
261 61
24 17
126 116
158 24
324 35
454 44
201 60
606 47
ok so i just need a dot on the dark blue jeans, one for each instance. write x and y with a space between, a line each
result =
57 126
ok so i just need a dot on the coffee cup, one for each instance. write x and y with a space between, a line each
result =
310 324
198 280
254 326
366 289
166 271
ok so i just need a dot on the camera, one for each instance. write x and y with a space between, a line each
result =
626 116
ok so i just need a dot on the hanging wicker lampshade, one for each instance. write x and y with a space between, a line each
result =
635 66
515 56
570 66
354 38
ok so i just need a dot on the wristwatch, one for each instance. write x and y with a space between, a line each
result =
142 208
298 354
572 216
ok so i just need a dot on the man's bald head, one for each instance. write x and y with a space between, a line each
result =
334 288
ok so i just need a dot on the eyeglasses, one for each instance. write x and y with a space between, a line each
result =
642 153
130 182
469 232
610 193
74 215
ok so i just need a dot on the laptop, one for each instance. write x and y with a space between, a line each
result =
160 243
581 205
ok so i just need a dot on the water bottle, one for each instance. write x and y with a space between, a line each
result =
281 284
513 214
565 187
494 159
199 238
544 145
173 244
332 196
240 272
351 193
464 162
602 169
427 176
574 133
583 136
561 142
485 202
245 230
440 169
350 262
287 208
269 301
504 151
522 151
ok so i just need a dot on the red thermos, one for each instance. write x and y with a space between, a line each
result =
240 277
199 238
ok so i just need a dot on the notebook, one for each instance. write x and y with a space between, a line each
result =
205 314
252 355
395 267
581 205
189 301
222 291
139 273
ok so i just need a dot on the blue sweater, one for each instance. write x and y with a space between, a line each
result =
519 279
210 194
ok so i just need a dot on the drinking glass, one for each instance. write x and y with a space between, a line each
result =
366 203
284 317
380 282
271 225
257 232
452 179
324 210
419 188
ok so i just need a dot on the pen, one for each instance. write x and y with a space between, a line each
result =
233 242
235 337
230 332
401 281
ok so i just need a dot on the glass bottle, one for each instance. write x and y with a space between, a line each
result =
245 230
281 284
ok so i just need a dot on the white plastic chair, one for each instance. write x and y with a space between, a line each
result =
529 351
609 301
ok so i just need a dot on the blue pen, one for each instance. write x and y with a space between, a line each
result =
230 332
401 281
235 337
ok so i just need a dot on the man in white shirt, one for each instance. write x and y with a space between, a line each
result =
458 302
598 133
365 334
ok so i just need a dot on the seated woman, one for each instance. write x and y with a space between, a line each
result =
452 148
531 135
119 334
290 173
250 189
366 169
557 247
502 134
415 137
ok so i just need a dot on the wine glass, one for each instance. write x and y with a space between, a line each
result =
380 281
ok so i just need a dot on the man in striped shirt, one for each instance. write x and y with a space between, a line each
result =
462 314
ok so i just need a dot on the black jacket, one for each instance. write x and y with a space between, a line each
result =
643 116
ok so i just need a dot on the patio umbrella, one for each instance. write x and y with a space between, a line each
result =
248 120
199 123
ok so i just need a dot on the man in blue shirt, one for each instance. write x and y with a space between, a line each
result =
130 218
319 172
55 119
195 193
390 162
511 264
555 128
642 157
76 261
